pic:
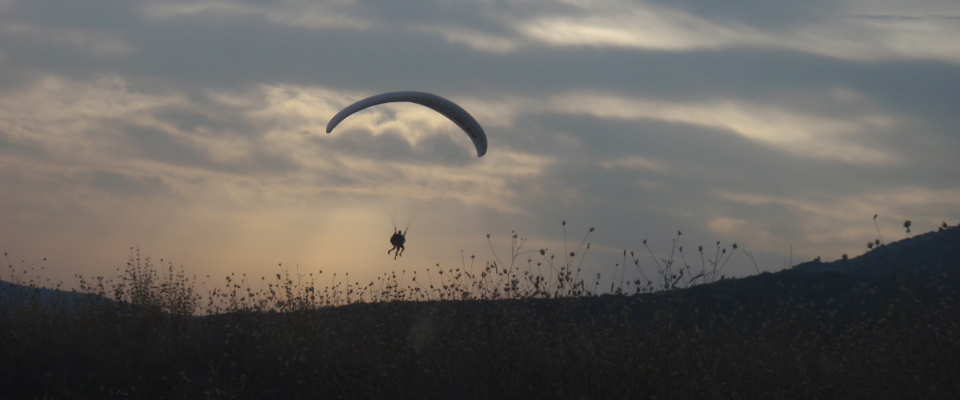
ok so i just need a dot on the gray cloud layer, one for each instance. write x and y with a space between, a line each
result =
758 130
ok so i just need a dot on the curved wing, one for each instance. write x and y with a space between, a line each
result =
449 109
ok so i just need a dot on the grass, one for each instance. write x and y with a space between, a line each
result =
527 325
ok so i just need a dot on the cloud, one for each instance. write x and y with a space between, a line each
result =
727 225
99 43
685 25
761 123
885 202
209 51
487 184
759 13
63 118
125 184
635 163
789 131
308 15
838 223
477 40
632 26
18 146
160 145
657 28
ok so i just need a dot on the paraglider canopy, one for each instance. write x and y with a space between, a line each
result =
449 109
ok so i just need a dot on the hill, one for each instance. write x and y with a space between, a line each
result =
882 325
14 296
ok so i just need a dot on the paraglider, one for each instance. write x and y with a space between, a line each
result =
449 109
397 241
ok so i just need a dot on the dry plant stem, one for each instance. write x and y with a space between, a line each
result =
653 256
876 226
754 260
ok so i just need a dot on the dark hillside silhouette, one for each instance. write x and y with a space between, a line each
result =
881 325
14 296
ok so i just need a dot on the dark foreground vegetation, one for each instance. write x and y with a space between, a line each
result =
882 325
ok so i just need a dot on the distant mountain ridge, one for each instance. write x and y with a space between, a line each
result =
14 295
880 325
922 270
923 252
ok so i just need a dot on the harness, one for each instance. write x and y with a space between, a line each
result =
397 239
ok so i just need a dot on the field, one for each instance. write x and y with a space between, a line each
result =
882 325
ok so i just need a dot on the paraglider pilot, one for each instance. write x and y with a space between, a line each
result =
397 241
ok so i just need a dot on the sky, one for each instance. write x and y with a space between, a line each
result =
194 130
